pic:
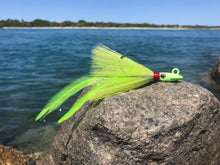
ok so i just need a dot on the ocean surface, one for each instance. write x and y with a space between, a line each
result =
36 64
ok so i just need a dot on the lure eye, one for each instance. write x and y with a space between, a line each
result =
162 76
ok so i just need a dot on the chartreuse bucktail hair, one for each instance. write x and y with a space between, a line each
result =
111 73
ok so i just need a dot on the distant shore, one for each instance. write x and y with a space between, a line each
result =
123 28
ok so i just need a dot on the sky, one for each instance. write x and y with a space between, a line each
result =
182 12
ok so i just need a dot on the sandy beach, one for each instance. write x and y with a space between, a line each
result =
123 28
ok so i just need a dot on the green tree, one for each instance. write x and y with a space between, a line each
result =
81 23
40 23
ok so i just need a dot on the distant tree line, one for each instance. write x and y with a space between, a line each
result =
83 23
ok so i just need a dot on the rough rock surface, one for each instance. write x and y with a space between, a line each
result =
161 123
10 156
215 72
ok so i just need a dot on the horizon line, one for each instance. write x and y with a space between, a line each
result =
172 24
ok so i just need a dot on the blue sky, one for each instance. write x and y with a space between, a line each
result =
182 12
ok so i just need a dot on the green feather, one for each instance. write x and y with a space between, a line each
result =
110 75
109 88
64 94
79 103
107 62
118 85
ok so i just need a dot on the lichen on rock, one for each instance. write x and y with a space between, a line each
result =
168 123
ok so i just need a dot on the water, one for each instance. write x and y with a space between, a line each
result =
36 64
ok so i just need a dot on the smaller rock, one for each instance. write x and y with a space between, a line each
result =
10 156
215 71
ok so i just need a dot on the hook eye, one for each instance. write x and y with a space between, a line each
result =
175 71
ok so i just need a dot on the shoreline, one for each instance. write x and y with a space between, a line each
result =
117 28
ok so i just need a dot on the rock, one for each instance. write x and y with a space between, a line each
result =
161 123
215 71
10 156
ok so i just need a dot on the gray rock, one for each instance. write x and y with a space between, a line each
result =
161 123
215 72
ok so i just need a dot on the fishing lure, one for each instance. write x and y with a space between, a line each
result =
111 73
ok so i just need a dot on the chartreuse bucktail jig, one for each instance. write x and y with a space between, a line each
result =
111 73
166 76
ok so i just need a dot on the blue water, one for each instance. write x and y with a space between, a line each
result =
36 64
